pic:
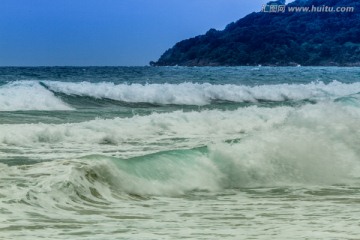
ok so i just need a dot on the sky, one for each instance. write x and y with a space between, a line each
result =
106 32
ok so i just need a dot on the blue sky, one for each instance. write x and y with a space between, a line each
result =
106 32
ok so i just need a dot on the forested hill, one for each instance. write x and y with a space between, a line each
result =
280 39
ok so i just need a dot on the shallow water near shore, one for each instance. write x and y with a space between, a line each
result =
173 152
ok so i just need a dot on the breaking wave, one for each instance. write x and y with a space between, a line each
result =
52 95
29 95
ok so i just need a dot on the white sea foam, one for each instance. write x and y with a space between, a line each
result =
71 197
155 132
202 94
28 95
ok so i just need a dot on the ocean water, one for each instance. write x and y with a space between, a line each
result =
179 153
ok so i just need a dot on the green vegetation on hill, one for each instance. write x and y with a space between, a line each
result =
280 39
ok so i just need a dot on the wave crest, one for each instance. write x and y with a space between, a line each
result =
205 93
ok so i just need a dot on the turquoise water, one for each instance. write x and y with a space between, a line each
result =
172 153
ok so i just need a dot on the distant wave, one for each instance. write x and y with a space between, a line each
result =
203 94
53 95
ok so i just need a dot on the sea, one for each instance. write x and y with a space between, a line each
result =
179 153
